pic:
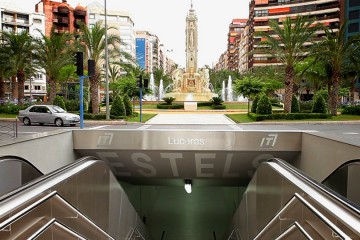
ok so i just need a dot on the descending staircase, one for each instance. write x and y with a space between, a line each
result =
283 203
71 203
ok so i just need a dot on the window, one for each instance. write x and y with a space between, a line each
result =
260 13
353 27
92 16
37 87
354 3
26 87
37 21
354 15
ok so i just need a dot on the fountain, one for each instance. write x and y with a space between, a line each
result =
161 89
223 96
229 90
191 84
152 96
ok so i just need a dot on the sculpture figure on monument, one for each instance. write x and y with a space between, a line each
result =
177 78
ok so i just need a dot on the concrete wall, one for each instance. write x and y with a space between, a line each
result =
47 151
321 155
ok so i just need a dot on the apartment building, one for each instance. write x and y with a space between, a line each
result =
261 12
244 49
150 54
235 29
222 62
351 13
61 16
121 23
17 21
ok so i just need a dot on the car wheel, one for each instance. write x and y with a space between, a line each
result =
41 124
73 125
26 121
59 122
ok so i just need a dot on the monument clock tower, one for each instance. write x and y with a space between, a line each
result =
191 33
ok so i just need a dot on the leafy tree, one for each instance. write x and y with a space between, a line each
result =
128 106
53 54
337 52
255 103
248 87
94 41
18 49
59 101
118 107
264 105
319 104
295 107
286 42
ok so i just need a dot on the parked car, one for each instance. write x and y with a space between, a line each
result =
47 114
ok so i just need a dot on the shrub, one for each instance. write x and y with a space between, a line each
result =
128 105
216 101
353 110
168 100
72 105
274 101
200 104
255 103
167 106
219 107
319 104
264 105
305 106
288 116
295 107
118 107
11 108
59 101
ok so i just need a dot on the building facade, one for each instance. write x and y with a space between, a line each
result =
351 13
61 17
236 27
12 20
261 12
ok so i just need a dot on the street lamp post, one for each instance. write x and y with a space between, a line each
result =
30 90
106 68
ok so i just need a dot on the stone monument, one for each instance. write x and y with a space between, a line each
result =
191 84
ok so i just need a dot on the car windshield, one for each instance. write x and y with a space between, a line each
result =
58 109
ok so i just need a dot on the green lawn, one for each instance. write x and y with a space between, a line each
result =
4 115
145 117
243 118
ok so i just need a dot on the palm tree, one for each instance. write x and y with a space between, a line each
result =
53 54
287 42
336 51
5 71
19 50
94 41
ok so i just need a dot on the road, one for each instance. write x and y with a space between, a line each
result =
349 132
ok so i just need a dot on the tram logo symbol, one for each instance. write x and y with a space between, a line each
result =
105 140
269 141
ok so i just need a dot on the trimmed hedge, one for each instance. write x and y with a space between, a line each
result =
295 107
167 106
203 104
255 103
219 107
288 116
352 110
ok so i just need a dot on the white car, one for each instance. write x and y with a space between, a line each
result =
47 114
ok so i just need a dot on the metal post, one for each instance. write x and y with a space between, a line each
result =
82 102
30 91
141 104
106 68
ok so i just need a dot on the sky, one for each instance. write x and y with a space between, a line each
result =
167 18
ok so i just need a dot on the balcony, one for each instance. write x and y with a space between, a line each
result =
289 3
80 13
63 10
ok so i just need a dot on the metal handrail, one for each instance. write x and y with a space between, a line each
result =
133 232
54 222
37 203
315 184
296 225
10 129
43 178
324 219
